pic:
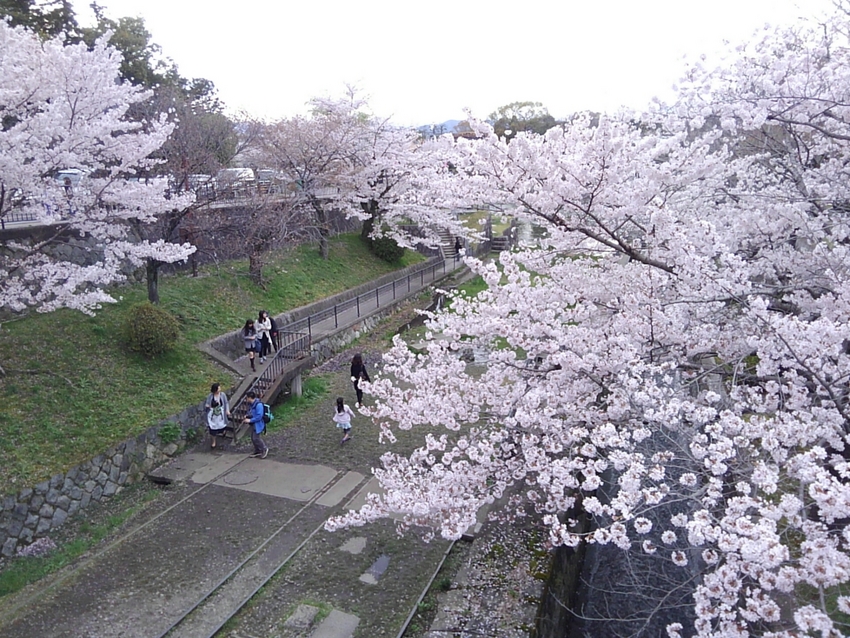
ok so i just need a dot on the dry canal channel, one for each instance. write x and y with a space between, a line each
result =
242 552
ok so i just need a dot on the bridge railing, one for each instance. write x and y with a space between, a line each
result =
331 318
292 346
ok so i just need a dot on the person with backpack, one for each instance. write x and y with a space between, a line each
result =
256 412
342 417
358 374
218 411
249 336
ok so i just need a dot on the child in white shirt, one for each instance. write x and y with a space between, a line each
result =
342 418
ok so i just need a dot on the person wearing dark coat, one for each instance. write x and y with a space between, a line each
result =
275 335
358 374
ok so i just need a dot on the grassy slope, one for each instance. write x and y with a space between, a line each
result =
100 394
475 220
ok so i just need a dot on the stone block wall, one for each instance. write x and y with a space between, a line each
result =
327 347
74 246
33 512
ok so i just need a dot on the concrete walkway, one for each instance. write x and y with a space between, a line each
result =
237 523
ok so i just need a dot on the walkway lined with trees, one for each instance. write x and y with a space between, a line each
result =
276 509
297 337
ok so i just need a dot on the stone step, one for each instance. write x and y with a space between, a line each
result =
338 624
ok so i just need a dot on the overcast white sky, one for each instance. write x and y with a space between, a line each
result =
425 62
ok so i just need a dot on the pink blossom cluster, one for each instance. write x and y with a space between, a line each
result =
64 107
672 356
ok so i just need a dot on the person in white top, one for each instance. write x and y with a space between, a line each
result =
218 411
342 418
264 326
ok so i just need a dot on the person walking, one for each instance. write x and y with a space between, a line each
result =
264 326
358 374
342 417
255 419
218 411
249 336
275 333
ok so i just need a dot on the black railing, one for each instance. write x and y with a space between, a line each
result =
331 318
296 340
9 218
293 346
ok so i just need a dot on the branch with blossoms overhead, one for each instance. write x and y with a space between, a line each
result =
671 357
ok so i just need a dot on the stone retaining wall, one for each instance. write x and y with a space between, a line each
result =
33 512
65 244
327 347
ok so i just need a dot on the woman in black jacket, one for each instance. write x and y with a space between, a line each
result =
358 374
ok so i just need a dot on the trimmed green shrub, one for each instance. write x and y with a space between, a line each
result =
150 330
387 248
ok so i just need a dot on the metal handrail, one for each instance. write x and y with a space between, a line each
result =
372 299
297 339
293 346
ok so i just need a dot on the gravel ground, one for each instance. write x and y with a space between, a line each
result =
497 588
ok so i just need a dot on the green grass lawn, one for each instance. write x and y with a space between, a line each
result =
81 390
474 221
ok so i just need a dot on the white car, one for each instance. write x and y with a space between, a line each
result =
235 182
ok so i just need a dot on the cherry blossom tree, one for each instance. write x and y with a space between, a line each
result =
672 357
62 108
317 154
343 159
394 185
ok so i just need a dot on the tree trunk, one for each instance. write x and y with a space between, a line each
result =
152 277
324 249
368 225
370 207
323 225
255 268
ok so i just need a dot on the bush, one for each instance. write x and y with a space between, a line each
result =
150 330
169 433
387 248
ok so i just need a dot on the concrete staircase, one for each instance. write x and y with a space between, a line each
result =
499 244
447 244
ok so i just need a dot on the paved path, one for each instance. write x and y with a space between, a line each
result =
239 522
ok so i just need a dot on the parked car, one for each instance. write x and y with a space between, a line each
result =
235 182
